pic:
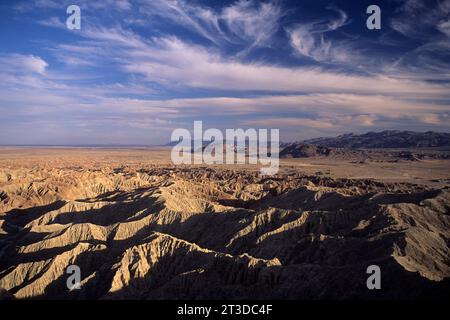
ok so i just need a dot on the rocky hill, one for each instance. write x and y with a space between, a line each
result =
385 139
303 150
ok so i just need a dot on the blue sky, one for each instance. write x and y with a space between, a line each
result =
139 69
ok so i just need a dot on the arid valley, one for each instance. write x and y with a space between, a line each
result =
140 228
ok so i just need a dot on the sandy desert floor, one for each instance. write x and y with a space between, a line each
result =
141 228
430 172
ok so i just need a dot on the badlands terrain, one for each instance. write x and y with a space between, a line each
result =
140 228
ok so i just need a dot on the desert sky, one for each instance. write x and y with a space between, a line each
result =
136 70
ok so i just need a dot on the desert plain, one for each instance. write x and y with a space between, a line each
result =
141 228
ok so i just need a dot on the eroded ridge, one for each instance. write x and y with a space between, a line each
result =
181 233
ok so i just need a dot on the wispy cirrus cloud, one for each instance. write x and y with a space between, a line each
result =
246 22
54 22
173 62
428 24
20 63
310 39
254 23
417 18
63 4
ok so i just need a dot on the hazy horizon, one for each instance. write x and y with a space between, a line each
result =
169 143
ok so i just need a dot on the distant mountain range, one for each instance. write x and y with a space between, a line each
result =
365 146
370 140
302 150
385 139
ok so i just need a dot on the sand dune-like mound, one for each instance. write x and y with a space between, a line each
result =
176 233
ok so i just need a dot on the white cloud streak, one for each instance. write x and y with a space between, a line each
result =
170 61
309 40
246 22
19 63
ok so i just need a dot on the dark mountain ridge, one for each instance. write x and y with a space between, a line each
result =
385 139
